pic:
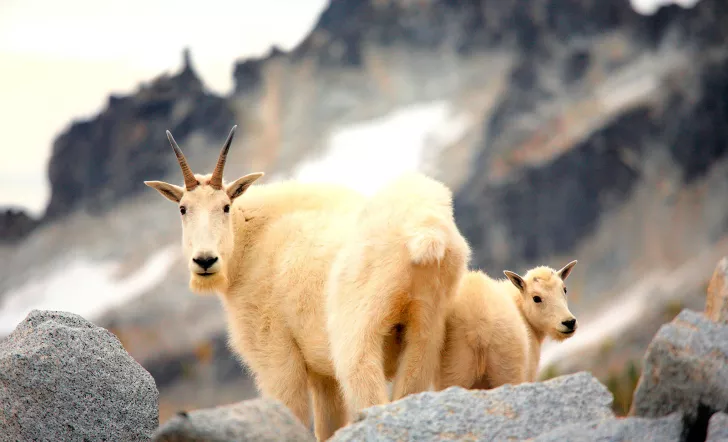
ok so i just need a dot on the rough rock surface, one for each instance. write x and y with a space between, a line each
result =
716 305
505 413
665 429
253 420
718 428
685 369
63 378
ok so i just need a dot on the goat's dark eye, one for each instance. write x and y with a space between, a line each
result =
182 210
536 299
565 291
226 209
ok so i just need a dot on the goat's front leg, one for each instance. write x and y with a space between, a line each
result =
285 378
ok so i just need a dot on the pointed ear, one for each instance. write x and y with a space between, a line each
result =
239 186
169 191
564 273
516 280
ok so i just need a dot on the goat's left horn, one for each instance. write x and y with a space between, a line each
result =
216 179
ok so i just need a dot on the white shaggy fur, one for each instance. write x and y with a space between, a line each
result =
495 328
326 291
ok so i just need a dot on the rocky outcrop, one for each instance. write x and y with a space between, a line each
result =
685 369
717 428
98 162
248 74
669 428
254 420
573 407
63 378
348 28
601 96
504 413
15 225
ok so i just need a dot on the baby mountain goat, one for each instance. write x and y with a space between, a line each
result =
315 280
495 328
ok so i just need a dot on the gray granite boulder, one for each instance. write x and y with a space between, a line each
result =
685 369
63 378
718 428
664 429
505 413
253 420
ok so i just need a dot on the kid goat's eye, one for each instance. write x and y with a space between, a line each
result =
182 210
226 209
536 299
565 290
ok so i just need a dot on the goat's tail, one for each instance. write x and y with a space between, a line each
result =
427 246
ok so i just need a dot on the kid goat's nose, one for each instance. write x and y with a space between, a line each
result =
205 262
570 323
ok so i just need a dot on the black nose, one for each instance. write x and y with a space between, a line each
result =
570 323
205 261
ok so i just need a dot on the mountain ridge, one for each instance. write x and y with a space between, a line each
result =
591 132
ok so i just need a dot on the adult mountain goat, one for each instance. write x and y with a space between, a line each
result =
317 280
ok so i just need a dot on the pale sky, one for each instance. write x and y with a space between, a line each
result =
60 60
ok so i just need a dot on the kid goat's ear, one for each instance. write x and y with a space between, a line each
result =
564 272
515 279
239 186
169 191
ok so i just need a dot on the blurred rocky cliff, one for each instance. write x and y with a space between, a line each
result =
15 224
588 131
98 162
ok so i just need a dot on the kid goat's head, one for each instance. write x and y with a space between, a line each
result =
544 300
204 206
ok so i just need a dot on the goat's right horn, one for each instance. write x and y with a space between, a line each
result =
216 178
190 180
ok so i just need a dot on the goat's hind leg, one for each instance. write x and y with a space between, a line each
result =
420 358
460 363
329 411
357 342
